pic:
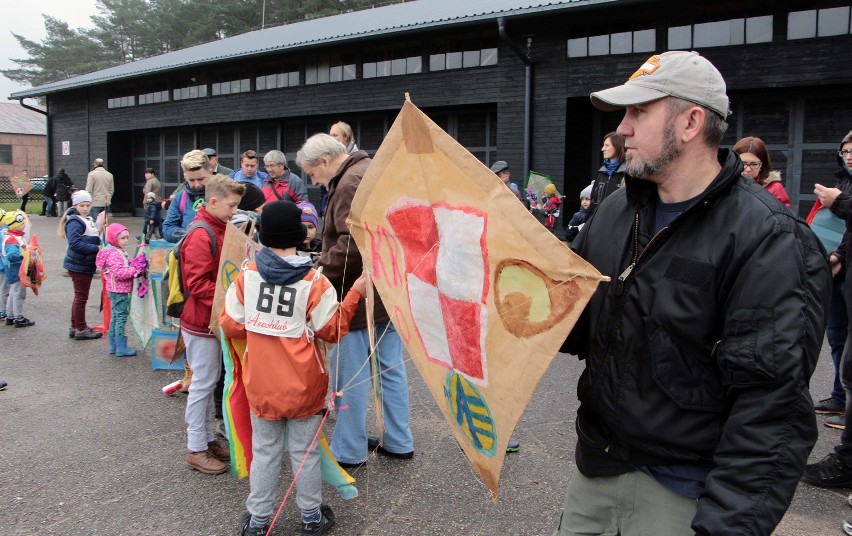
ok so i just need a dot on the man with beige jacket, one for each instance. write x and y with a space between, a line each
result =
100 184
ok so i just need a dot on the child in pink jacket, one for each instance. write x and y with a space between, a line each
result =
118 274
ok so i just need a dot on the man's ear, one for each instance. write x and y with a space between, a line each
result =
694 119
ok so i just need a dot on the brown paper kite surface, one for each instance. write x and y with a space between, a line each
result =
480 292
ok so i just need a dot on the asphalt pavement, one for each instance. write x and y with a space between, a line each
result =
90 445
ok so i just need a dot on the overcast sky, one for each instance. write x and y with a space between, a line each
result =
24 18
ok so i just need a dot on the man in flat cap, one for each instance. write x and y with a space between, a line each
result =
695 415
215 166
501 169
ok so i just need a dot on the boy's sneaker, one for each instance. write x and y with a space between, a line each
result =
847 526
247 530
71 333
87 334
326 521
10 321
829 472
835 421
830 405
2 385
513 445
24 322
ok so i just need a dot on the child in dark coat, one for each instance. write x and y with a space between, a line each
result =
580 216
153 218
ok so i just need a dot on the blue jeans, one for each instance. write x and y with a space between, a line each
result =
97 210
349 442
835 330
119 303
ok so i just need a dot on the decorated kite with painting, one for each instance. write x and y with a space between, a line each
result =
481 294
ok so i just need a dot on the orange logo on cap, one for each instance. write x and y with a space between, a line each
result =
650 65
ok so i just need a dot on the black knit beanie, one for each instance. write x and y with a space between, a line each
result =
281 225
252 199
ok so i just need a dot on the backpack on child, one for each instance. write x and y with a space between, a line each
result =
177 292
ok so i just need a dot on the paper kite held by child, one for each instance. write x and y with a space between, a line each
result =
481 294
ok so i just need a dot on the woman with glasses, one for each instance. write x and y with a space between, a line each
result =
758 167
839 200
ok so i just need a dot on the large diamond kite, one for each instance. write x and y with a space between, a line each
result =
481 294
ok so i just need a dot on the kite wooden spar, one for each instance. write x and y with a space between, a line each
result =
481 294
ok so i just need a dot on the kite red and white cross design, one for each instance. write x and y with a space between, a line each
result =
446 265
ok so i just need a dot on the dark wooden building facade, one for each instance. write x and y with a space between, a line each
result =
783 62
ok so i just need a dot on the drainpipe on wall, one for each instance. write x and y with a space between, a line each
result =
47 123
525 57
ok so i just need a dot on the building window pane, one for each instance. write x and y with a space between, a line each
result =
470 58
834 21
719 34
349 71
335 73
599 45
293 79
621 43
680 38
577 48
489 57
323 70
801 24
369 70
6 153
311 75
437 62
759 29
454 60
737 31
645 41
414 65
398 67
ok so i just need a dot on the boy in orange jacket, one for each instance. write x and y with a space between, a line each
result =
280 305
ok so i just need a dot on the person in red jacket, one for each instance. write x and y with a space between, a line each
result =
758 166
282 306
199 264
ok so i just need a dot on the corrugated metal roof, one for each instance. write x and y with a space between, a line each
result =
355 25
15 119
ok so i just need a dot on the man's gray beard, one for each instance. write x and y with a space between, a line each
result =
649 170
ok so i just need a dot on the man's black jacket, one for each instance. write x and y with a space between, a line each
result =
701 348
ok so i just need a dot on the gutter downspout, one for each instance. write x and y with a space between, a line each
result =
524 56
47 131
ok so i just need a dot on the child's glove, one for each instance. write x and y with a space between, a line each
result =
139 262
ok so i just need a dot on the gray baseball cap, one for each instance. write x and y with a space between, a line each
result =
209 152
685 75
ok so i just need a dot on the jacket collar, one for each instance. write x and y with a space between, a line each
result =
353 159
641 193
214 222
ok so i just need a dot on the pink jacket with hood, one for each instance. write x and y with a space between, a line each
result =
118 274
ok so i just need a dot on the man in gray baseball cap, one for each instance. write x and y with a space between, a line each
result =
695 415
